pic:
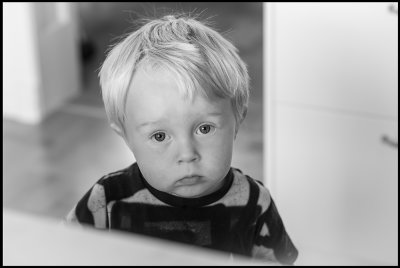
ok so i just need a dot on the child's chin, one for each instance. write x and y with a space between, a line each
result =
189 193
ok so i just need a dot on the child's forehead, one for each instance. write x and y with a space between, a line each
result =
160 80
157 92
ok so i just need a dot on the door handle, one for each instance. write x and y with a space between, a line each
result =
387 140
394 8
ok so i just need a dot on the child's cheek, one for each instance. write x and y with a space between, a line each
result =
158 150
220 146
165 154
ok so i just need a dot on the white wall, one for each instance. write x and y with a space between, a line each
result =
331 96
20 64
41 65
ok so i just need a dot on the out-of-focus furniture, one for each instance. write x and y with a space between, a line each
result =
332 128
34 240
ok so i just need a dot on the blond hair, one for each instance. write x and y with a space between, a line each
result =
200 58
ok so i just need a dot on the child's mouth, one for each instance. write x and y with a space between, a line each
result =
189 180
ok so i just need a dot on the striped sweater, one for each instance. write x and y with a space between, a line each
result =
240 217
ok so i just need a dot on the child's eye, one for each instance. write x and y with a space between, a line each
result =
159 136
205 129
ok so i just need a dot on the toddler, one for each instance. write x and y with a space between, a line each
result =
176 91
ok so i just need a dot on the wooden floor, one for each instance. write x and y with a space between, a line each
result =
48 167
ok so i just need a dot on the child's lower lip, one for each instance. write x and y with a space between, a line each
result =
189 180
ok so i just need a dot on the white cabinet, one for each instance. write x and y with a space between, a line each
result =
331 97
337 55
336 183
41 59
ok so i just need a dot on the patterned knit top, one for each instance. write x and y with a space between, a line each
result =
240 217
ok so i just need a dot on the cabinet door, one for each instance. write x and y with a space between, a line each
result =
343 56
58 42
335 184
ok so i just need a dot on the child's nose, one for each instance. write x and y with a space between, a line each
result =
187 152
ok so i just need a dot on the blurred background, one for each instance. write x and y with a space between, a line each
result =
321 131
57 142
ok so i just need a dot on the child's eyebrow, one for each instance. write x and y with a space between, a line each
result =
145 124
213 114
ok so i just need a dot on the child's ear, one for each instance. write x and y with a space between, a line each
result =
120 132
237 125
117 129
240 122
236 130
244 115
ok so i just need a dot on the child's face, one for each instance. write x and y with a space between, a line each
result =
182 147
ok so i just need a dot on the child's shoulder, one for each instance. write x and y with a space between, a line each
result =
118 176
119 184
123 176
244 178
256 189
